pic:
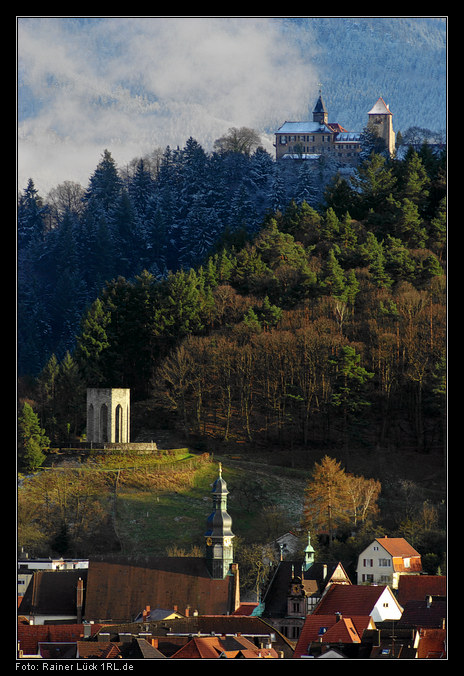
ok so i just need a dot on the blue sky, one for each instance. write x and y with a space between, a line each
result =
132 84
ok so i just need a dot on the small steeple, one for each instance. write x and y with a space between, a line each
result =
320 113
219 535
309 554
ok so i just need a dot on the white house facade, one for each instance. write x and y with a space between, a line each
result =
385 559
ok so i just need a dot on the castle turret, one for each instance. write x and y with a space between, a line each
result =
381 123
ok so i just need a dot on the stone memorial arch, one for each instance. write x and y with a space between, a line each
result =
108 415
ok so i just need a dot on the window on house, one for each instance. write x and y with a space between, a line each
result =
384 562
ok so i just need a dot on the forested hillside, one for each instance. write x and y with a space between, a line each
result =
243 298
359 59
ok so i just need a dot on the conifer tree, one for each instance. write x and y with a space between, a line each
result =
31 216
92 343
32 439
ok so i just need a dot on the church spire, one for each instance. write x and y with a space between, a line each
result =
320 113
219 535
308 554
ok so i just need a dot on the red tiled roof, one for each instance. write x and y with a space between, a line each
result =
245 609
29 635
417 587
349 600
98 650
432 644
211 647
346 630
397 547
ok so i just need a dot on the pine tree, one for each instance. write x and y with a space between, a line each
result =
32 439
91 345
105 184
124 227
348 388
31 217
70 393
375 182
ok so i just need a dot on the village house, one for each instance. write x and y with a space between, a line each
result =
376 601
385 560
54 596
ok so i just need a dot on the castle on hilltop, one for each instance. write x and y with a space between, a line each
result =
321 138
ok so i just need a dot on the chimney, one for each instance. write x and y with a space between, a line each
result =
154 642
146 613
79 599
338 616
187 612
324 571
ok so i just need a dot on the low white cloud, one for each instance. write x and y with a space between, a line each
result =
134 84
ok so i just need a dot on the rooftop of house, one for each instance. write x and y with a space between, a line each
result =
331 629
174 633
303 128
350 600
213 647
30 635
418 587
428 613
432 644
397 547
117 587
52 592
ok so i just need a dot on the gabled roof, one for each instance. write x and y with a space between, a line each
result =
97 650
350 600
214 647
326 629
397 547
